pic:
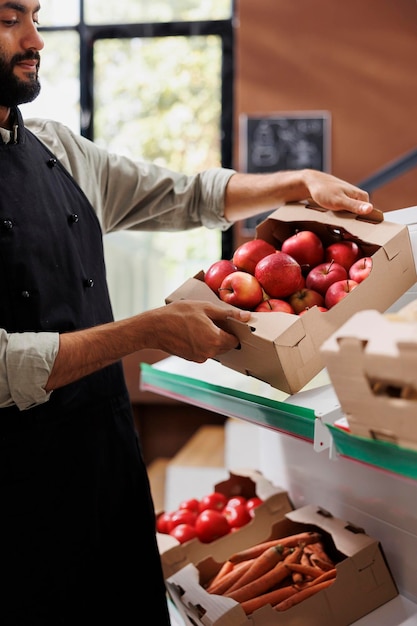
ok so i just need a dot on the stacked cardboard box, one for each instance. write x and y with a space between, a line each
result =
372 362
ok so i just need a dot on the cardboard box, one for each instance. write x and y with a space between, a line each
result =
283 349
363 581
372 363
247 483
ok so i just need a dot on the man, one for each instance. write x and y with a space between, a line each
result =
78 536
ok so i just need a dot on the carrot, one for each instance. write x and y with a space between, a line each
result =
262 564
297 578
318 553
226 567
271 597
228 579
267 581
329 575
301 595
307 571
320 564
290 541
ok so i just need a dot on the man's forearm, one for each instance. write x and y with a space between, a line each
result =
86 351
189 329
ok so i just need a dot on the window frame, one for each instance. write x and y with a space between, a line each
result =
90 33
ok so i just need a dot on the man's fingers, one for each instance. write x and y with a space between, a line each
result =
357 206
221 315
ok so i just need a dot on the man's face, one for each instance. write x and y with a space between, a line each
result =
20 44
13 90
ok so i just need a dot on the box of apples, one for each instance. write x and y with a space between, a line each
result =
307 271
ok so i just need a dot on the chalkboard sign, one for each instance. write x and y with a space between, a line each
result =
283 142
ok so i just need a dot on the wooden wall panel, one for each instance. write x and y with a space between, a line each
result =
356 59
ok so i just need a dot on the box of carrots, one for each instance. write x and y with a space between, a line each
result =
309 568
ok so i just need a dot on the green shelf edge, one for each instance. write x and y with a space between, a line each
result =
293 420
382 454
290 419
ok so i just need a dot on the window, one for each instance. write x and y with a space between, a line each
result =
162 90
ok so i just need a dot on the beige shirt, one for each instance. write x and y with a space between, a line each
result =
126 195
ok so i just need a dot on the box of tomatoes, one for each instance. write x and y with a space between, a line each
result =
302 567
295 305
209 525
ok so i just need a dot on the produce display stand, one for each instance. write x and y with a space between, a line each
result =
302 425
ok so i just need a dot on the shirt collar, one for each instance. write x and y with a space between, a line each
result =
10 136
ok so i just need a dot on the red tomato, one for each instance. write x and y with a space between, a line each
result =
211 525
183 532
235 500
252 503
162 522
192 504
237 516
181 516
215 501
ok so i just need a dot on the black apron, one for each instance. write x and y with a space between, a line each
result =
78 527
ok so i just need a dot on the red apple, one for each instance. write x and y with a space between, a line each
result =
339 290
305 299
323 275
343 252
361 269
242 290
247 255
275 304
320 308
306 248
279 274
217 272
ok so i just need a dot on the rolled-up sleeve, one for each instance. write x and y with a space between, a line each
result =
26 360
137 195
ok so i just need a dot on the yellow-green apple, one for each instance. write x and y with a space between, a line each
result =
217 272
279 274
343 252
306 248
241 289
247 255
323 275
361 269
274 304
339 290
304 299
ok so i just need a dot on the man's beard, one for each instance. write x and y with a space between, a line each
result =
14 91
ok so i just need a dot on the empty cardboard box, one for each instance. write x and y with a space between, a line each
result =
372 363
